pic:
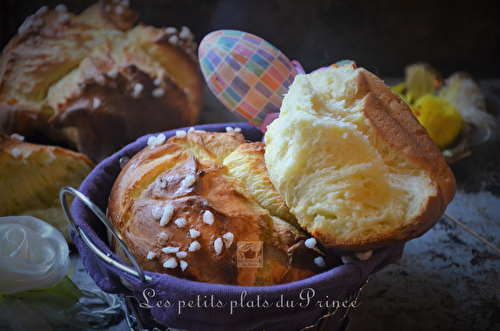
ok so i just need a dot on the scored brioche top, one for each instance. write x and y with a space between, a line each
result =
352 162
186 206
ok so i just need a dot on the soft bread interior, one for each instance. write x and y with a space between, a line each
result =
339 177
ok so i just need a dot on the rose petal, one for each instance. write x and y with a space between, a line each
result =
33 254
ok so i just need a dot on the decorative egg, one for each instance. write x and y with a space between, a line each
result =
246 73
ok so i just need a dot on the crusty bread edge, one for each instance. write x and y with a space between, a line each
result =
420 148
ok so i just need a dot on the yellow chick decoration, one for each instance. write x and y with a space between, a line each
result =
439 117
421 79
453 111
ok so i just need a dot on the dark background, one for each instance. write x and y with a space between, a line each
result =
434 287
382 35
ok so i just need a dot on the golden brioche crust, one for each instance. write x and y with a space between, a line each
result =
205 205
152 161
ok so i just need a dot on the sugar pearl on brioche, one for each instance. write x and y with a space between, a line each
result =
353 164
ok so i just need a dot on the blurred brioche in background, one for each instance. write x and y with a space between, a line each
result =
353 164
94 82
32 176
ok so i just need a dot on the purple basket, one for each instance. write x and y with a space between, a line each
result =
162 301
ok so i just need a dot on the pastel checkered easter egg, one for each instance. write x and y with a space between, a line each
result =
246 73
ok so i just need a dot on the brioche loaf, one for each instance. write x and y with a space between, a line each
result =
32 176
353 164
49 44
184 212
94 83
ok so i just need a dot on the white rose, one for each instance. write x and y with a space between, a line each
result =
33 254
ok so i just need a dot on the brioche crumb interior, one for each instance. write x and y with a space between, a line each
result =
334 170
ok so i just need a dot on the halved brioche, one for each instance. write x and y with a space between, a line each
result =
182 212
353 164
33 175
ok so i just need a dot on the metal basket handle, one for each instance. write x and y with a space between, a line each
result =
137 271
